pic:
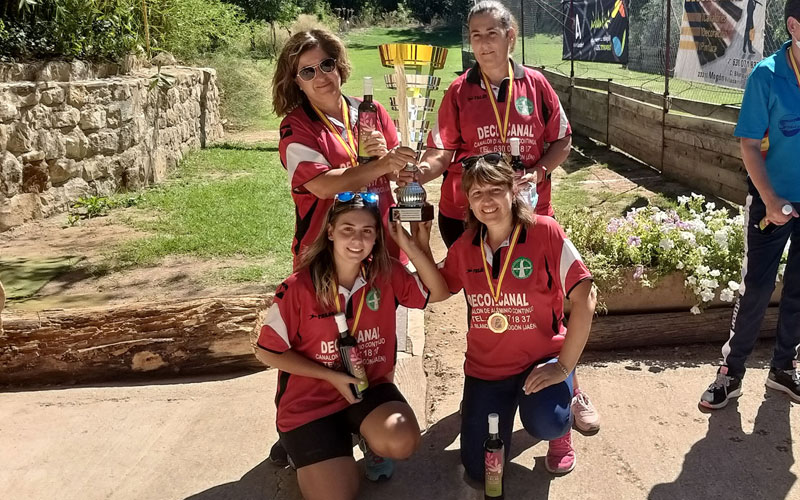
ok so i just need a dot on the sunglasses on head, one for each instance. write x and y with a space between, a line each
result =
310 72
363 197
491 158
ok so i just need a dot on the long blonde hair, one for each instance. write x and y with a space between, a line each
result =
501 174
318 257
286 94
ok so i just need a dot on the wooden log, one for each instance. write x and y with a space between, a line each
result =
586 130
637 94
705 109
638 108
700 125
636 125
197 336
590 98
659 329
592 83
703 163
646 150
728 146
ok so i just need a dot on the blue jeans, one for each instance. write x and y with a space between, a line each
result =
545 414
762 254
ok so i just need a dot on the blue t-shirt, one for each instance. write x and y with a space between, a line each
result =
771 107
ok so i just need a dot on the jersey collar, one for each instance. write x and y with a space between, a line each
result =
476 240
782 66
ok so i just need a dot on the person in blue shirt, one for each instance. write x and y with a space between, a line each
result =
769 130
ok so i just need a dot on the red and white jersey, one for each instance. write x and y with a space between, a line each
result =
543 269
296 321
307 149
467 124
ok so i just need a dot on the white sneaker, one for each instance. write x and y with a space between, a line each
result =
586 417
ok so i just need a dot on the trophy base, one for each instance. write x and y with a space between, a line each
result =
411 214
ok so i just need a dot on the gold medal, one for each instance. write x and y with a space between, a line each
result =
498 323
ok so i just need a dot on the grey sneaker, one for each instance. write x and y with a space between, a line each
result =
787 381
722 390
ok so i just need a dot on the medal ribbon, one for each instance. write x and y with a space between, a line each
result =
502 127
360 304
496 293
794 65
350 145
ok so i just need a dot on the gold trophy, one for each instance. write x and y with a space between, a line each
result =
413 78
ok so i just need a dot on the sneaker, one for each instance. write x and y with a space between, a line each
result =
560 457
278 456
722 390
787 381
586 417
378 468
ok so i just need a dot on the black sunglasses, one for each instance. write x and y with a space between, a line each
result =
310 72
491 158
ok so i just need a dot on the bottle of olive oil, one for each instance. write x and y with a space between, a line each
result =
367 121
494 461
351 357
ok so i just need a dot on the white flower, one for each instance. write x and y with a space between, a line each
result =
683 200
706 295
714 272
703 250
666 244
726 295
695 310
680 264
698 196
710 206
734 286
686 235
701 269
707 283
691 280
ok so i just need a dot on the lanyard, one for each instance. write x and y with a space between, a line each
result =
496 293
360 304
503 127
350 145
794 66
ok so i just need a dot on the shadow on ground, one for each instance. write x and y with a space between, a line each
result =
729 463
435 471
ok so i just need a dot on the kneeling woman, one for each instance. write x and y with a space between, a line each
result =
516 269
345 275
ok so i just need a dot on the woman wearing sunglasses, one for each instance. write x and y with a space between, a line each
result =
516 268
345 275
318 145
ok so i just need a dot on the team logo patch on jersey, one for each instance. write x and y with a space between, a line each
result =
524 105
374 299
522 268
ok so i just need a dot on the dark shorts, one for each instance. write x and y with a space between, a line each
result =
331 436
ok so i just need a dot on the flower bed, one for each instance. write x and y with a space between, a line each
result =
652 248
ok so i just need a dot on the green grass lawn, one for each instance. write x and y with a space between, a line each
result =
224 201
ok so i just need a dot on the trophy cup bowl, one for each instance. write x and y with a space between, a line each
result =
413 79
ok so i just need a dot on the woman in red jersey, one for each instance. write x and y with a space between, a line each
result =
346 283
516 268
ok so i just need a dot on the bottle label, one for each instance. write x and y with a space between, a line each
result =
367 123
493 479
357 367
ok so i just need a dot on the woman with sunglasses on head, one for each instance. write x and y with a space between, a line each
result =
318 145
346 280
516 268
473 121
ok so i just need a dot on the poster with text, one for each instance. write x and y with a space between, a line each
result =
721 41
596 30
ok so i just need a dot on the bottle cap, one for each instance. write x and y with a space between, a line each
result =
341 322
367 85
786 209
514 146
494 420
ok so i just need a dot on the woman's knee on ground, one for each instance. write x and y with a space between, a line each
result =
547 425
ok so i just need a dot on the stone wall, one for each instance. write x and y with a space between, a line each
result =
60 140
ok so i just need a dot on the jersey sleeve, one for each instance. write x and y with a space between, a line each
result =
571 269
754 116
557 126
387 127
408 289
446 132
300 152
279 331
452 268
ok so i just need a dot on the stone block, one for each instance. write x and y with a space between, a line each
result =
105 142
58 71
75 144
51 142
121 91
76 95
69 117
52 97
93 118
10 174
21 138
62 170
95 168
18 210
26 94
5 131
8 112
32 157
37 116
35 177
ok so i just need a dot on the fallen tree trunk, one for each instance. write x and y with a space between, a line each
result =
80 345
